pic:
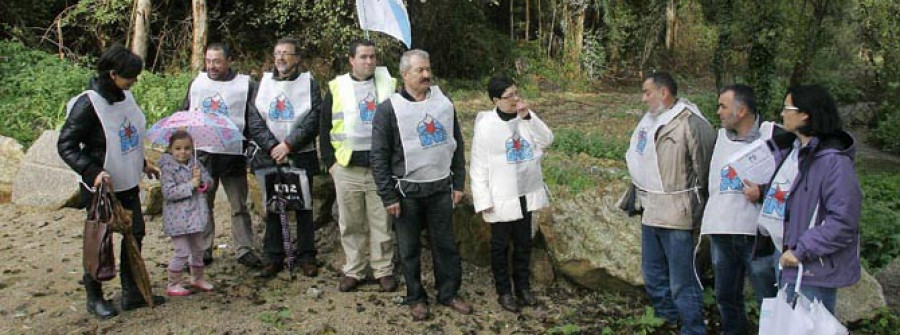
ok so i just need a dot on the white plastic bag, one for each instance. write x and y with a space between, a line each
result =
777 316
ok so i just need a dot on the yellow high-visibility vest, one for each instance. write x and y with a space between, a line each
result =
347 127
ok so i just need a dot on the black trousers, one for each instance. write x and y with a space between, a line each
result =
130 200
434 213
519 231
273 240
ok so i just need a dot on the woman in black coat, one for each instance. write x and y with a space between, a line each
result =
102 141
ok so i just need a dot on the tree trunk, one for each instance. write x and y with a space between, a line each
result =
141 33
552 29
540 24
574 41
813 42
200 34
527 18
671 24
724 42
512 26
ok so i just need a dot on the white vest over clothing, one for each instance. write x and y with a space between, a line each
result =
124 125
641 156
426 134
284 104
771 217
506 164
727 210
228 98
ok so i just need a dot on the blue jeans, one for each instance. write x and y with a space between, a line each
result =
731 259
668 266
827 295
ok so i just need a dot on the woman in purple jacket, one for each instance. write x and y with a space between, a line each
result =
816 193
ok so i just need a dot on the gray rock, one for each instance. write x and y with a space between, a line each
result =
889 278
859 301
594 243
151 197
44 180
11 155
859 114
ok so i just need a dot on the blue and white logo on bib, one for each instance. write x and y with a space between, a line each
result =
129 138
431 132
518 150
367 108
215 104
642 140
776 200
281 109
730 182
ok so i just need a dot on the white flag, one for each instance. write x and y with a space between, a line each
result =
387 16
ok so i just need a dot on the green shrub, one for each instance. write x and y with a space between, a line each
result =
36 86
880 238
888 128
160 95
595 145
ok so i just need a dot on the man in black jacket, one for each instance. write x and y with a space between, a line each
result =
418 162
289 102
220 90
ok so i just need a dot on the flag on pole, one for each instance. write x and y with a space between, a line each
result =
387 16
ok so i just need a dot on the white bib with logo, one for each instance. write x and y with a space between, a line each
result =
124 125
426 133
771 217
284 104
641 156
228 98
728 211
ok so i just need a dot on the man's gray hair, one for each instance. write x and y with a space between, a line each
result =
404 60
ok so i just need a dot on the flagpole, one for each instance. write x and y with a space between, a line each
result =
362 5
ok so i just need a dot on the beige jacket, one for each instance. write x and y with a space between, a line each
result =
684 148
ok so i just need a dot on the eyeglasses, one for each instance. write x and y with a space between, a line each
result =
514 95
282 53
789 108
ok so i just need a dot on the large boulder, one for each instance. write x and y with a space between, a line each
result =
594 243
860 301
11 155
44 180
889 278
859 114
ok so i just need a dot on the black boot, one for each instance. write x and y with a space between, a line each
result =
95 303
131 295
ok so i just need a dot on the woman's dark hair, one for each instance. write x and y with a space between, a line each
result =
817 103
497 84
121 61
179 135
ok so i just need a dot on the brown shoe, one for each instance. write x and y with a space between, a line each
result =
309 269
419 311
459 305
388 283
348 284
270 270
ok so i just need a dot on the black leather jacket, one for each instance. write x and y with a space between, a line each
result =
82 143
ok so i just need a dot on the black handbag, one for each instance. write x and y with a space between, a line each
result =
289 184
629 202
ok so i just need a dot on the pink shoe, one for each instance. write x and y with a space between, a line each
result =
174 287
197 281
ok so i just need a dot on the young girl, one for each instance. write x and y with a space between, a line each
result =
185 212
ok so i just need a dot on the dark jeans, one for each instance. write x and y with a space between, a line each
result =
667 261
130 200
520 232
732 261
434 213
273 240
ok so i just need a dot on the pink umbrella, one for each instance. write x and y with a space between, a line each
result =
212 132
